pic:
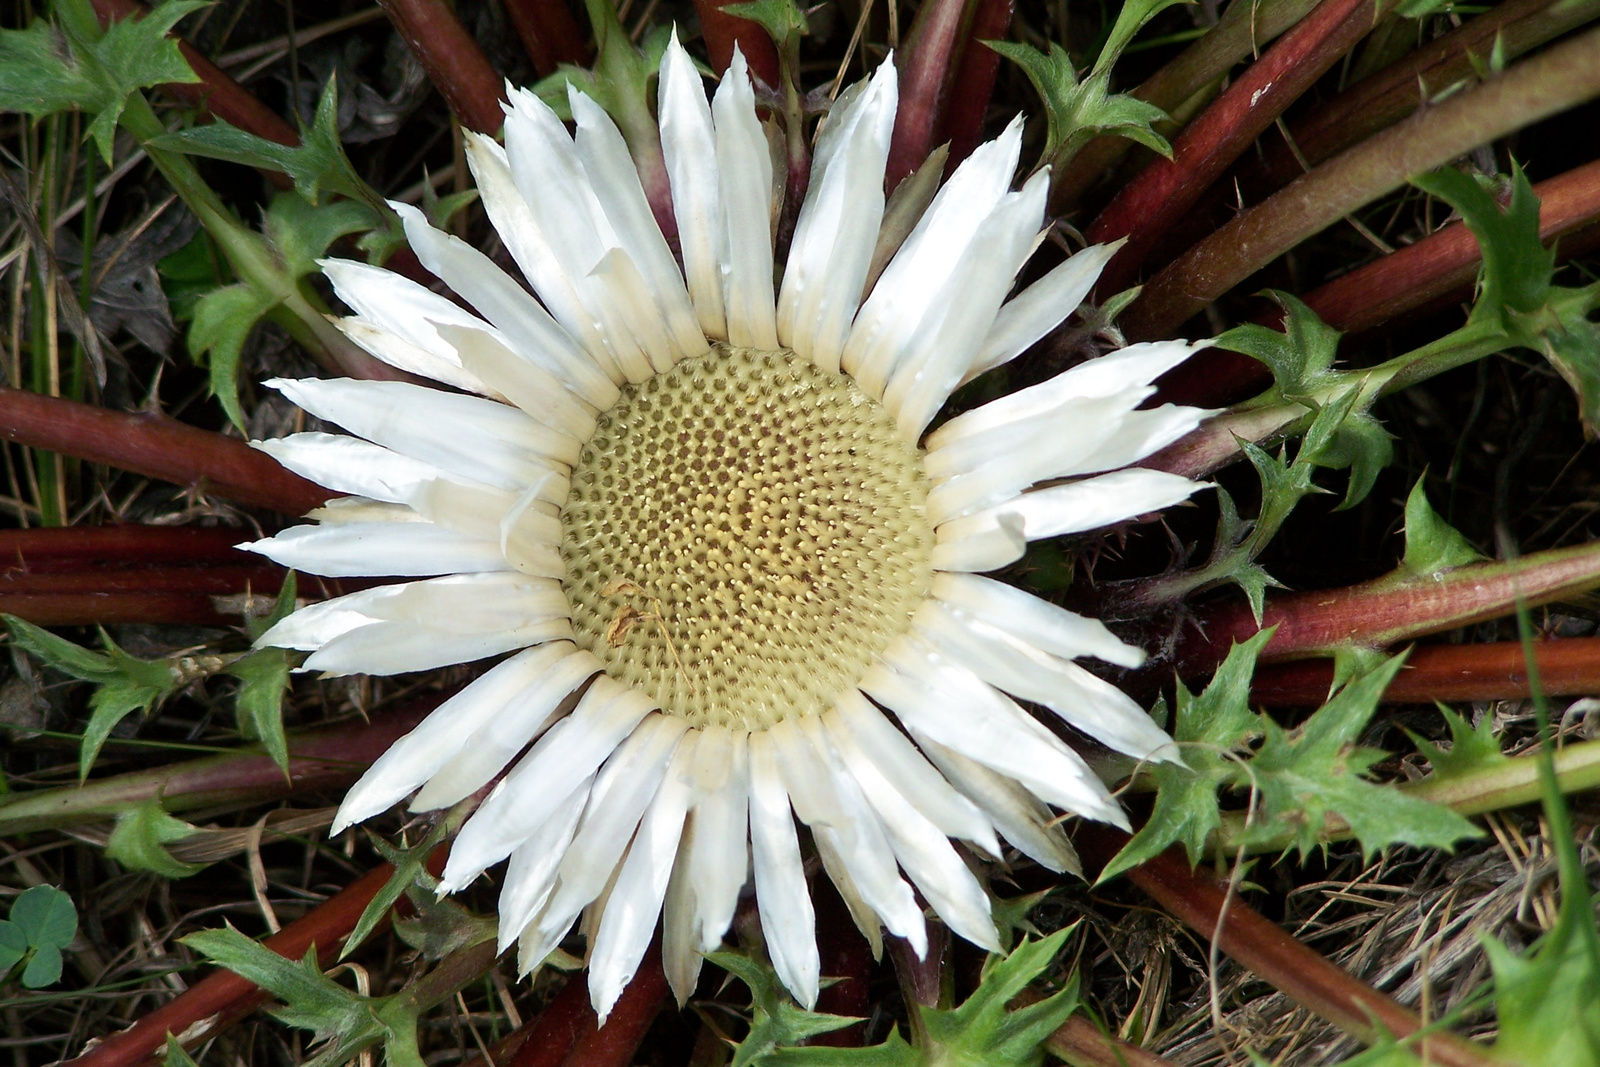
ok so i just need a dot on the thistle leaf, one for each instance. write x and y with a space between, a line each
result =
139 840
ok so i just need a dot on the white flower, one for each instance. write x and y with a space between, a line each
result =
738 584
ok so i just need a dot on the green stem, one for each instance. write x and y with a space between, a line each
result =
1554 81
1496 786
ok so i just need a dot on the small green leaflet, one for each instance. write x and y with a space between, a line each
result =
175 1056
1516 297
1302 778
981 1032
1471 750
783 20
1212 731
344 1021
410 868
263 678
125 683
48 67
140 838
1433 546
43 921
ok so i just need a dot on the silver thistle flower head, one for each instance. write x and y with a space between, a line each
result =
738 583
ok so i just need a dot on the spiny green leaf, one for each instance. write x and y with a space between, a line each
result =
1471 750
139 840
982 1031
441 926
47 68
1307 774
1213 731
410 868
58 652
301 232
775 1019
1130 20
317 165
222 323
1077 112
258 708
782 19
1433 546
1547 1011
1300 357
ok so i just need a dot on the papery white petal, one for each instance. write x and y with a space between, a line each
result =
920 846
1091 704
629 918
1040 308
745 169
1017 813
915 277
385 648
787 919
398 352
1028 618
1099 501
417 756
828 800
838 225
982 542
854 723
350 465
564 757
1142 433
937 354
545 689
348 550
688 142
397 306
531 874
468 435
527 328
616 184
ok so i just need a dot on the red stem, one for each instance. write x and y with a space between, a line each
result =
326 758
69 547
1081 1043
157 447
1384 612
1265 949
1567 667
1164 192
454 62
972 88
925 61
722 31
1441 265
222 997
846 957
549 33
568 1034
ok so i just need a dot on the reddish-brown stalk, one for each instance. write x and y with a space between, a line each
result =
1552 81
1385 612
972 85
549 33
1263 947
454 62
1440 266
1567 667
722 31
222 997
846 962
924 60
1165 191
1082 1044
325 758
99 595
157 447
567 1033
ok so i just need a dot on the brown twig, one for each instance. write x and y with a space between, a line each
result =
1165 191
568 1034
1553 81
1388 611
222 997
972 85
925 70
454 62
549 33
722 31
157 447
328 757
1567 667
1081 1043
1269 952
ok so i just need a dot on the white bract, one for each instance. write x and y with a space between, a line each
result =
736 582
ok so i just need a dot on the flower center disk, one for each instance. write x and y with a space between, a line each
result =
745 533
